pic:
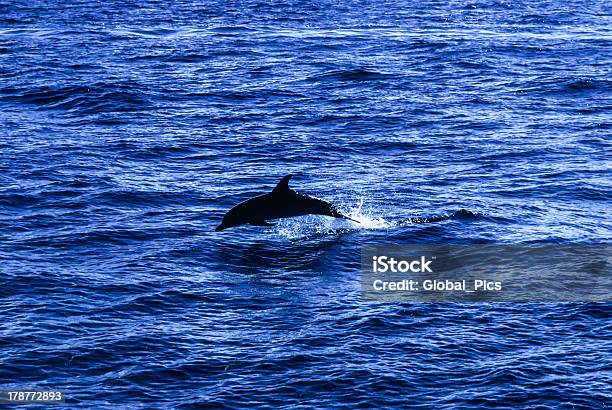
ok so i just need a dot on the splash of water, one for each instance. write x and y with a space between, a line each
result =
365 218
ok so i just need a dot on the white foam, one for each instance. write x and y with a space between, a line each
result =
365 218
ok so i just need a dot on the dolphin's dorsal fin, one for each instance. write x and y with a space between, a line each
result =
283 185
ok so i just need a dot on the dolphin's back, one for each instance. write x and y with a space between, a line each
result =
311 205
287 204
282 202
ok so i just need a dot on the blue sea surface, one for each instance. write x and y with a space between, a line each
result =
129 128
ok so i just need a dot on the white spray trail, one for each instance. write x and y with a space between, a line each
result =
365 218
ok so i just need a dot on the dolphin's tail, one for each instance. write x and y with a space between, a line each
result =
350 219
325 208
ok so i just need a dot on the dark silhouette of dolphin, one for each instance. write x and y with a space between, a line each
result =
282 202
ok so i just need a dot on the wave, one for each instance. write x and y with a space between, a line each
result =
172 58
566 86
80 99
356 74
460 214
557 189
587 84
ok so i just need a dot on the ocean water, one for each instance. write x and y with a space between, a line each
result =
128 129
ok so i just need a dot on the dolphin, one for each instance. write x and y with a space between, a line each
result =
282 202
